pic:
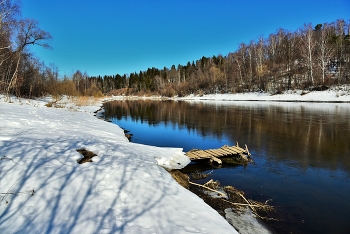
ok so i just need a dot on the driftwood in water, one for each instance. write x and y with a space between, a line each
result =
231 196
197 176
213 190
253 205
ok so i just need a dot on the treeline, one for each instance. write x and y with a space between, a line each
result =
309 58
21 73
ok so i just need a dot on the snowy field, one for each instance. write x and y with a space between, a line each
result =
124 190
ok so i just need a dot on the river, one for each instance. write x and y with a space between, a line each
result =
301 151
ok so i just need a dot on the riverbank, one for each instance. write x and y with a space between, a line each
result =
339 94
124 190
333 96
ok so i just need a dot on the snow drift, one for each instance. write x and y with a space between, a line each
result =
45 190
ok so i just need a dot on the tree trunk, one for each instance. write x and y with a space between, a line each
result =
13 79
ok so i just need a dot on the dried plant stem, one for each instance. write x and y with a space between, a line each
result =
8 191
240 204
222 194
249 204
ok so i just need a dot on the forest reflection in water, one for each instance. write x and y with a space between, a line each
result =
315 135
301 150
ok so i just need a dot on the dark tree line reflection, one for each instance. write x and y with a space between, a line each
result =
316 135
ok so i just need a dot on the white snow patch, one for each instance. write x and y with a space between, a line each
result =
122 191
175 160
331 95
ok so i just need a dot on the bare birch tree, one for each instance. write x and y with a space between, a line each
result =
324 49
8 11
307 49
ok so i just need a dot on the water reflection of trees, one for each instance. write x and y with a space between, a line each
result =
312 137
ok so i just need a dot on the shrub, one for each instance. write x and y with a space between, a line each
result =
93 91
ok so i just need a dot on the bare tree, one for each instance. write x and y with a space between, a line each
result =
324 49
307 48
250 57
340 31
260 61
8 12
28 33
239 67
242 61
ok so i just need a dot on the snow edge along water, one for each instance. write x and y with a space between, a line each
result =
122 191
128 191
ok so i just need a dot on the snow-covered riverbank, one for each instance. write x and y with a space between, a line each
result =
333 95
339 94
44 190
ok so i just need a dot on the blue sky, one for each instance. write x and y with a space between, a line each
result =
107 37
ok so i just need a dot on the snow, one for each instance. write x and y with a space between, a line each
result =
124 190
332 95
338 94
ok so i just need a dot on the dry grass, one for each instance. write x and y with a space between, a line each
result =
197 176
181 178
85 101
88 155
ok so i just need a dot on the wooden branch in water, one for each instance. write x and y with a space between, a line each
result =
240 204
251 206
210 181
200 185
246 148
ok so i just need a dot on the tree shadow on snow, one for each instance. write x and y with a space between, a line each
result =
115 194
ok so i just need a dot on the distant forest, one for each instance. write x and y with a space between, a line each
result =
309 58
312 57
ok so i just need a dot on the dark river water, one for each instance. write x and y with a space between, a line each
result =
301 151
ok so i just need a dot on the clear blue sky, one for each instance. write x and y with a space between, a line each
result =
107 37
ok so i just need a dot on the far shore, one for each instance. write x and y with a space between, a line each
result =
327 96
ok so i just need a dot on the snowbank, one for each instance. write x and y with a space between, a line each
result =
334 94
339 95
44 190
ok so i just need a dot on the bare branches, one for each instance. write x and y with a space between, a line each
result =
30 34
5 157
8 191
231 192
307 48
27 33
